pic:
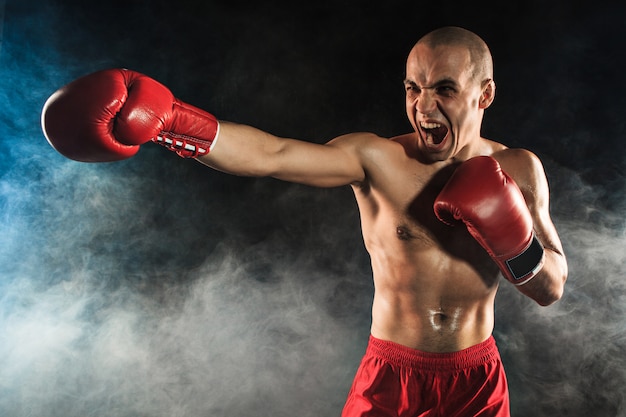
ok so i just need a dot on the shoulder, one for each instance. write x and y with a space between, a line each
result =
364 144
376 155
527 170
358 138
519 162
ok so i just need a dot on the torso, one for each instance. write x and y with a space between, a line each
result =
434 285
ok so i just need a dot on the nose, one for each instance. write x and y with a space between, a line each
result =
426 103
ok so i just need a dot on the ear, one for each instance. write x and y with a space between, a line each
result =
488 94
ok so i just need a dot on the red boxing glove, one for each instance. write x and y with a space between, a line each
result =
106 115
493 209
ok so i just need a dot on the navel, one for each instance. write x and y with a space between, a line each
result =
440 320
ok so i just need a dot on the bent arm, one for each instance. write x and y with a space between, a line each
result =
246 151
548 285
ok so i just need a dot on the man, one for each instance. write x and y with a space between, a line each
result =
443 212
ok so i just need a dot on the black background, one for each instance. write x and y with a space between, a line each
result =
157 286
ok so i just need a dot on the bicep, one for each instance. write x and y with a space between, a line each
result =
335 163
535 189
527 171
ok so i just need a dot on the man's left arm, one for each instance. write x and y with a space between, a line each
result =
528 172
503 200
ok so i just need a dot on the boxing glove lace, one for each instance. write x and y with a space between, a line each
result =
107 115
493 209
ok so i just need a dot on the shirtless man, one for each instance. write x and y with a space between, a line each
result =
436 254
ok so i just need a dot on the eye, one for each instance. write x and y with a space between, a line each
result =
411 89
446 90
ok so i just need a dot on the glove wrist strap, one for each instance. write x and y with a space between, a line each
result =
521 268
191 132
186 146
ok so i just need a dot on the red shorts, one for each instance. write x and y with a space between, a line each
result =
394 380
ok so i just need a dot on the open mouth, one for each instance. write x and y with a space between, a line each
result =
433 133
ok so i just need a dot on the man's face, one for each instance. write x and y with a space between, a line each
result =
443 101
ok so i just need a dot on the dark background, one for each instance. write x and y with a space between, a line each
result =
158 287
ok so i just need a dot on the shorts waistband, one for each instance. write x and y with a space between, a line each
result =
407 357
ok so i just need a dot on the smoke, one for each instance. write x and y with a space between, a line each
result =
157 287
568 358
111 305
225 345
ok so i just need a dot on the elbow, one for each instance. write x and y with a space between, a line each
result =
551 282
553 293
550 297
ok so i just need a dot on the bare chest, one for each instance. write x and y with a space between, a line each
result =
399 202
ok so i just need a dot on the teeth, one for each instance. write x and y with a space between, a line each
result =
430 125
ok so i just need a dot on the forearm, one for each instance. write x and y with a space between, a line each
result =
243 150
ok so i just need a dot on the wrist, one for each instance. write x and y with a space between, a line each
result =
191 133
522 267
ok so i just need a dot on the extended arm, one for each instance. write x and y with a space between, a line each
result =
107 115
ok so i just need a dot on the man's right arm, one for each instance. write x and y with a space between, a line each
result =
107 115
247 151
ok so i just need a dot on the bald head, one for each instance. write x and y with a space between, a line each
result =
480 55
